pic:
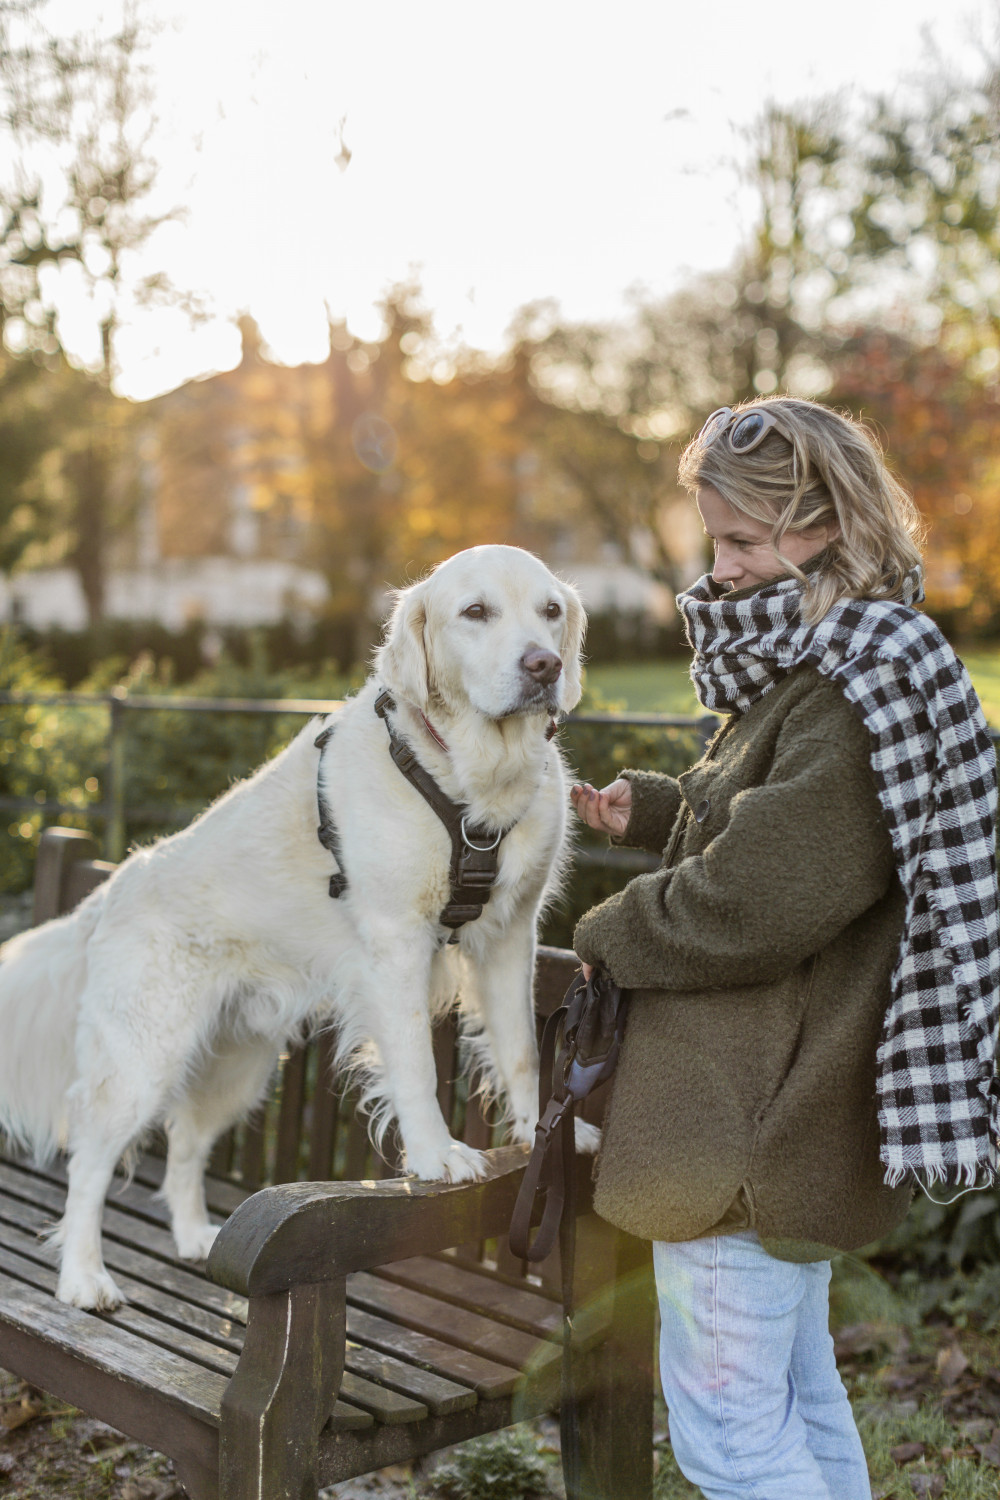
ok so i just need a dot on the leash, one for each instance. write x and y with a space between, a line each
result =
579 1051
475 848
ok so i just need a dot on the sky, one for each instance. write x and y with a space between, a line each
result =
322 151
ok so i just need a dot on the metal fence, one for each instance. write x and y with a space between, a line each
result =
112 811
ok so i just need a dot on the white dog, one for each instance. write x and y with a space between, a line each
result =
168 994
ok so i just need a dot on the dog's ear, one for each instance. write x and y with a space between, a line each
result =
572 647
401 662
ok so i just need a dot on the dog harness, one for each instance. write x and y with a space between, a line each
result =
475 850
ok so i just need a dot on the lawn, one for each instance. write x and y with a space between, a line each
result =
665 687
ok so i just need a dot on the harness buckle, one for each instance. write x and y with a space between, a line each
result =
384 703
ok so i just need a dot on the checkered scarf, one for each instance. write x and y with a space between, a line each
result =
935 772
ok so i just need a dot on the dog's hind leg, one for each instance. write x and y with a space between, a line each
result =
227 1085
96 1150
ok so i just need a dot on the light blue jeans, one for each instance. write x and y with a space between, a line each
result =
757 1408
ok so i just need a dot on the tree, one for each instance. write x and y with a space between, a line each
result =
76 117
940 425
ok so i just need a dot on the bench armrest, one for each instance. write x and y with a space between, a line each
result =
302 1232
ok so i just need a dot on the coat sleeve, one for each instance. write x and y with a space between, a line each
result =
656 801
800 858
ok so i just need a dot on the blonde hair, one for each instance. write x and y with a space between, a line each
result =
829 470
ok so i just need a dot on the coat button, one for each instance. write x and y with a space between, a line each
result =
701 811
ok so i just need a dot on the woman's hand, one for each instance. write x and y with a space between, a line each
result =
608 811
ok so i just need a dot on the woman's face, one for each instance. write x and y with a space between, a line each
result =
744 556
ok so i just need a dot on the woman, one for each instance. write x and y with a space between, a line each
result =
813 969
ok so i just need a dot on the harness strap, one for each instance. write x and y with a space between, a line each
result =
327 830
475 849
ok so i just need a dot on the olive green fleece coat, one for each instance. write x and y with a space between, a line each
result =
758 959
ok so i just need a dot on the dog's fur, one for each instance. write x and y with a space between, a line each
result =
169 992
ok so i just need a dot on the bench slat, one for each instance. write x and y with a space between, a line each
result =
457 1283
111 1348
325 1112
487 1377
386 1406
439 1395
187 1286
293 1093
442 1320
154 1300
155 1330
124 1229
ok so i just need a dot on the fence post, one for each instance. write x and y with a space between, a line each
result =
114 828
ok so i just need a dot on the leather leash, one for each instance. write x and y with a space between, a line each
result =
579 1050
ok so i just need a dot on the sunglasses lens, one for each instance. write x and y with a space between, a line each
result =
716 422
747 431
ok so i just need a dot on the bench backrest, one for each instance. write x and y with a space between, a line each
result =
307 1129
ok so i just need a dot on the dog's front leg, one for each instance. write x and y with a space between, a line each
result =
498 995
501 981
396 996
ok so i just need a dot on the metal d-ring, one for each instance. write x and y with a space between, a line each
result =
479 848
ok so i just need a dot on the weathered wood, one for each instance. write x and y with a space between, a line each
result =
58 849
447 1279
293 1093
84 876
445 1046
455 1325
155 1330
281 1395
58 1357
325 1111
385 1405
437 1394
122 1233
251 1149
487 1377
186 1388
358 1146
311 1231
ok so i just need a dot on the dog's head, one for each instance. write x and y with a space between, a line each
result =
491 628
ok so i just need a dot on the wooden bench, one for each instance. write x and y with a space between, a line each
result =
346 1319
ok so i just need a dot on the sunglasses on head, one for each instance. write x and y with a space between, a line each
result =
745 430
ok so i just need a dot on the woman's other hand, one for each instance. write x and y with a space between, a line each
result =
608 810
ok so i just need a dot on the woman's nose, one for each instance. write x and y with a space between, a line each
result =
726 567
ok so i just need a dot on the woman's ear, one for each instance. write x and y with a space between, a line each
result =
401 662
572 648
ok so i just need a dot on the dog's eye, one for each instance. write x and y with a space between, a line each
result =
475 612
553 610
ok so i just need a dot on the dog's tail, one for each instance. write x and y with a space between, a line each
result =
42 974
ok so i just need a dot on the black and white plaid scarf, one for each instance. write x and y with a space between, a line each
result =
935 771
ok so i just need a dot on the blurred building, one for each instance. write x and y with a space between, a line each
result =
225 531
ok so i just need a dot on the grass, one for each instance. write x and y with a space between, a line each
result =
665 686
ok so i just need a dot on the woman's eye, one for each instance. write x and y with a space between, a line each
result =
475 612
553 610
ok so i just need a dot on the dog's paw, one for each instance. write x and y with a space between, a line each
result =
522 1129
90 1289
195 1241
588 1138
452 1162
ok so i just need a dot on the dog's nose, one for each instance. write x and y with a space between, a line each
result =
542 666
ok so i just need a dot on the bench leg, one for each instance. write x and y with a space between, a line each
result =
616 1409
282 1393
